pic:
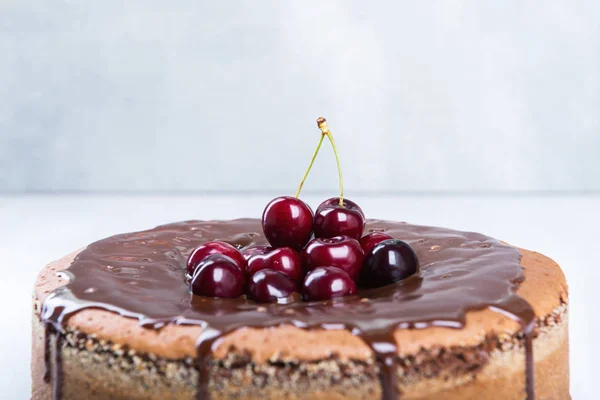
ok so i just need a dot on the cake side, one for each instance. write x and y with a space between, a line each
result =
493 370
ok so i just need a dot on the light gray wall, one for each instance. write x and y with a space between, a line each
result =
192 95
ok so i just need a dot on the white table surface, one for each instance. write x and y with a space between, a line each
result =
38 229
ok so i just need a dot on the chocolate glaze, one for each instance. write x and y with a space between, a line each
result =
53 360
57 367
142 275
47 336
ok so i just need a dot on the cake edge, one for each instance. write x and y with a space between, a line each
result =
495 368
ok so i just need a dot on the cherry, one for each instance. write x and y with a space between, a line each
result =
287 222
218 276
208 248
369 241
258 249
283 259
325 283
335 201
342 252
268 286
388 262
332 219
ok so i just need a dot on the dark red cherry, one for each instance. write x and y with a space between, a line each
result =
335 201
388 262
287 222
258 249
326 283
332 220
342 252
369 241
268 286
218 276
284 260
208 248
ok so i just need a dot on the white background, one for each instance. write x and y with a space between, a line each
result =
38 229
222 96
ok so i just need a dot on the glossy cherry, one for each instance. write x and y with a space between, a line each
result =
342 252
214 247
218 276
258 249
369 241
269 286
325 283
332 220
388 262
287 222
284 259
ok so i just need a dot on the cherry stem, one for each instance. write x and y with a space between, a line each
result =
312 161
322 124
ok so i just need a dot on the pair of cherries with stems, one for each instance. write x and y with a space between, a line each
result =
321 268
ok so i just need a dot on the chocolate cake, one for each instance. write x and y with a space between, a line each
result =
480 320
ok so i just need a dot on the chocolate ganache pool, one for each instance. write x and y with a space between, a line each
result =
142 275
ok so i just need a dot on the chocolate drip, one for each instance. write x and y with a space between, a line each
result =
204 347
57 367
142 275
47 366
386 352
529 370
53 360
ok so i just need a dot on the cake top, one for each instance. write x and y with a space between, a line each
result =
142 275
